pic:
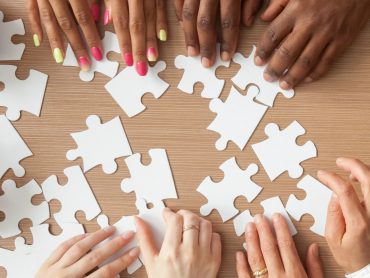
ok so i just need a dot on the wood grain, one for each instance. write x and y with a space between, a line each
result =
335 112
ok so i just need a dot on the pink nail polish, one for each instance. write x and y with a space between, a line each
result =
142 68
84 63
96 53
95 12
152 54
128 59
106 17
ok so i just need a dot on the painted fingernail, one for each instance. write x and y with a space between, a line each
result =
106 17
58 55
163 35
192 51
257 218
258 61
96 53
152 54
128 234
206 62
129 60
142 68
95 12
225 56
109 229
36 40
285 85
134 252
308 80
84 63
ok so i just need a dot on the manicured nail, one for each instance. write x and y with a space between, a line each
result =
258 61
134 252
58 55
106 17
84 63
109 229
285 85
257 218
129 60
36 40
152 54
163 35
96 53
225 56
95 12
192 51
308 80
142 68
128 234
206 62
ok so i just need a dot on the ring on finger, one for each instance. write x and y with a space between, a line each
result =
260 272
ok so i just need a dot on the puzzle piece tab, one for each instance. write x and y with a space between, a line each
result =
236 183
128 88
9 50
237 117
100 144
280 153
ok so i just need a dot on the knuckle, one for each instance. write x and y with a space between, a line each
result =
94 258
83 17
106 272
271 34
284 52
149 14
78 249
268 248
176 219
137 26
285 243
204 23
65 23
228 23
305 61
254 260
46 15
121 21
188 13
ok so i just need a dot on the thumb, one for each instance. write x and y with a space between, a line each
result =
313 262
146 240
335 224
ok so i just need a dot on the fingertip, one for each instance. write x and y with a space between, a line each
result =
258 61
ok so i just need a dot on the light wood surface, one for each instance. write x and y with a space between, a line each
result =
334 111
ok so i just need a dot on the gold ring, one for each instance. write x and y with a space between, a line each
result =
260 272
190 227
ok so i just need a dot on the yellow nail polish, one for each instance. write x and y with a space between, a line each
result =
58 56
36 40
163 35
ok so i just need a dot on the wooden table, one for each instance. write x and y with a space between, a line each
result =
334 111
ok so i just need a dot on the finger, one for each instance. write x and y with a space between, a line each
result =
205 234
52 30
216 249
254 253
95 9
35 21
206 26
230 22
189 19
242 267
273 9
250 9
151 35
161 20
190 236
313 262
146 240
107 12
178 5
174 226
335 224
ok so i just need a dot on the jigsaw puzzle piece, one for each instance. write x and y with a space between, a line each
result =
195 72
74 196
9 50
10 261
316 203
280 153
100 144
22 95
250 73
12 149
236 182
153 182
128 88
237 117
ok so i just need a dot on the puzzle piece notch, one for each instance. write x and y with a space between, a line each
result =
237 117
280 153
131 100
194 72
251 73
236 182
316 203
100 144
22 95
75 195
9 50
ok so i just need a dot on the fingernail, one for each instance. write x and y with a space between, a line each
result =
250 227
258 61
58 56
95 12
134 252
268 77
225 56
142 68
308 80
128 234
36 40
339 160
96 53
106 16
163 35
257 218
84 63
109 229
276 217
192 51
315 250
206 62
129 60
285 85
152 54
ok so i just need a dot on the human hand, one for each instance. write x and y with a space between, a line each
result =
306 36
60 16
138 24
201 19
189 253
348 222
276 256
75 257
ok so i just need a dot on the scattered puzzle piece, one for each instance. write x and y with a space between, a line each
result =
100 144
22 95
280 153
9 50
237 118
128 88
316 203
12 149
236 183
195 72
249 73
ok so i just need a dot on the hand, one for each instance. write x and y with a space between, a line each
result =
279 255
200 20
348 222
61 15
195 252
74 257
307 36
138 24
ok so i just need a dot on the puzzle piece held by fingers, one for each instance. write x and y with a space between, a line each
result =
9 50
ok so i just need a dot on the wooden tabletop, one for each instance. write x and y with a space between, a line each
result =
334 111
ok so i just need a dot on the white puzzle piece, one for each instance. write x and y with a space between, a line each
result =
237 117
271 206
236 182
280 153
249 73
105 66
194 72
9 50
128 88
100 144
74 196
153 182
16 205
12 149
22 95
316 203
